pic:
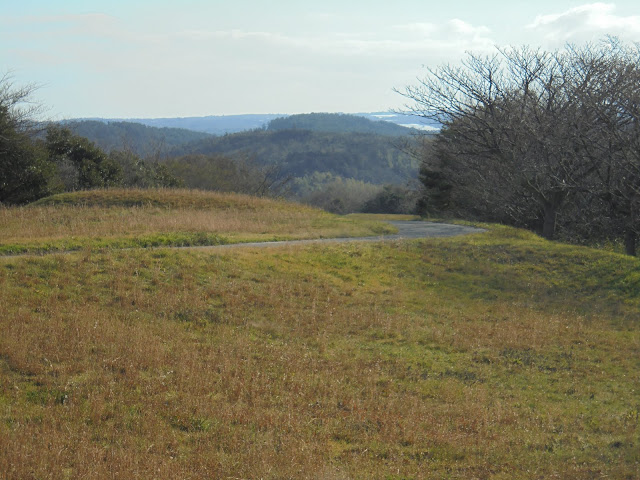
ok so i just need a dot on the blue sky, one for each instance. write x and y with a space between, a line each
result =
194 58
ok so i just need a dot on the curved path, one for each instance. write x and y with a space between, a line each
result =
406 230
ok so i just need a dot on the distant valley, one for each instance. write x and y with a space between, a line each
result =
339 162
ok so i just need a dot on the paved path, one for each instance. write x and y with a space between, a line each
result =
406 230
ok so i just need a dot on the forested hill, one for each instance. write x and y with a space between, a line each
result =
337 123
140 139
342 145
361 156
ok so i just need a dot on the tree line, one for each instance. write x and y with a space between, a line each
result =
40 159
342 163
37 160
544 140
367 157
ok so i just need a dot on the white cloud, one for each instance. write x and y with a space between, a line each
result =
586 22
408 40
447 40
460 26
147 68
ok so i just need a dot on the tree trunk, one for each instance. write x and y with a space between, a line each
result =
549 221
630 238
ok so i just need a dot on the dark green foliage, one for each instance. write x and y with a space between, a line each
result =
144 174
82 164
24 168
436 196
349 156
337 123
392 199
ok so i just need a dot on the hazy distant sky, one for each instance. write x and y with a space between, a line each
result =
192 58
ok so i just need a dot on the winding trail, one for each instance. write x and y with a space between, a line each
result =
406 230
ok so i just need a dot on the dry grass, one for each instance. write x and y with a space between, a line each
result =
113 217
492 356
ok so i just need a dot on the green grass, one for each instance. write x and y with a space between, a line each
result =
118 218
492 356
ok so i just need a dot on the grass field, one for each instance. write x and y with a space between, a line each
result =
151 218
490 356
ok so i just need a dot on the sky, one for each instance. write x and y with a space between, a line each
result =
149 59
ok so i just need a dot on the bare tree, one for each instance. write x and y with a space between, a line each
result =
616 142
525 130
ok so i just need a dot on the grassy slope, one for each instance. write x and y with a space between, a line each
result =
150 218
497 355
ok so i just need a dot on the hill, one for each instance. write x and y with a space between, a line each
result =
140 139
337 123
361 156
345 146
126 218
498 355
224 124
212 124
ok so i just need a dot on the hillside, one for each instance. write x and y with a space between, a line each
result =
127 218
140 139
337 123
366 157
344 146
224 124
212 124
496 355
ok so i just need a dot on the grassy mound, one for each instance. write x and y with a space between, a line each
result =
165 198
123 218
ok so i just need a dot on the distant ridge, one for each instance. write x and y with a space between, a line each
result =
309 147
224 124
127 135
337 123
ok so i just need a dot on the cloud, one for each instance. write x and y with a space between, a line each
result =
151 68
445 40
414 39
586 22
462 27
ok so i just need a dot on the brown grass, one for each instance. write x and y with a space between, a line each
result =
339 362
112 214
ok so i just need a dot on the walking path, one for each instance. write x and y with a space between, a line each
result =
406 230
